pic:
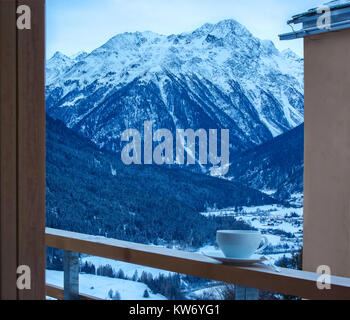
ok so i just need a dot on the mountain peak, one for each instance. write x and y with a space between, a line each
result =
128 39
59 55
269 47
223 28
230 26
228 23
79 55
290 54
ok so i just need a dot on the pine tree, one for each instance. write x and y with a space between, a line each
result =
116 296
120 274
146 294
135 276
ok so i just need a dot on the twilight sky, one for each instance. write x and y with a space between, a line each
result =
84 25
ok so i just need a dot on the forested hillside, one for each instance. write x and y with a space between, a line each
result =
91 191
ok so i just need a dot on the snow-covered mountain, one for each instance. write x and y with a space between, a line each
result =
218 77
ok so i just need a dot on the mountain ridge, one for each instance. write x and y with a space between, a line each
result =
218 76
276 165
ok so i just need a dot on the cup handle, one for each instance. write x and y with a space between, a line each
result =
266 243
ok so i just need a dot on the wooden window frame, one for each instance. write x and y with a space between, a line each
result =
22 149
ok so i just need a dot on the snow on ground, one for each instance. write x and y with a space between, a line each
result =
297 199
268 192
275 257
99 287
212 293
128 268
272 209
285 226
272 216
273 240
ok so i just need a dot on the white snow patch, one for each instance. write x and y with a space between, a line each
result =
99 287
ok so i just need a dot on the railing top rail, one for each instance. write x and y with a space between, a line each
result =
287 281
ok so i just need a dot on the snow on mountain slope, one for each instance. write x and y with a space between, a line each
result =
219 76
60 63
275 165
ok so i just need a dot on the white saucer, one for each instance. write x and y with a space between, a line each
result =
235 261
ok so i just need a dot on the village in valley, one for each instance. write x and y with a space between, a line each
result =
282 225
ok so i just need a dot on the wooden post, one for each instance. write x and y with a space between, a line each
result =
22 149
244 293
327 153
31 148
8 152
71 275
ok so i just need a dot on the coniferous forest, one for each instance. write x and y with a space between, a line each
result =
91 191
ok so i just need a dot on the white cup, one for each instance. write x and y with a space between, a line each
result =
240 244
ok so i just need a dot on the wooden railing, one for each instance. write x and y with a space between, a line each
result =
285 281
